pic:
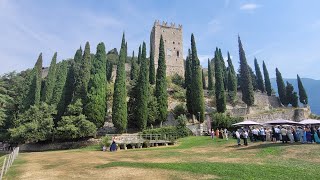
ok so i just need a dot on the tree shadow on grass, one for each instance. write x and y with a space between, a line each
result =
264 145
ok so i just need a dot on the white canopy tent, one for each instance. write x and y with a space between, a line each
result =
280 122
310 122
246 123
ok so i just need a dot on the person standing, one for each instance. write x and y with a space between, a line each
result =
217 133
212 134
226 133
284 135
268 134
290 135
263 134
238 137
221 134
277 133
245 138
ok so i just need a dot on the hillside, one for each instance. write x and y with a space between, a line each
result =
311 87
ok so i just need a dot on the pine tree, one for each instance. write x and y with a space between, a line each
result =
59 97
224 68
267 79
152 76
210 77
220 90
289 93
281 88
78 74
302 92
139 55
134 72
161 84
188 82
203 81
95 108
70 83
109 69
141 113
119 106
197 88
295 100
50 81
260 84
232 81
245 77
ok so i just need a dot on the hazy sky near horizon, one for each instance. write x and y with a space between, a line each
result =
285 34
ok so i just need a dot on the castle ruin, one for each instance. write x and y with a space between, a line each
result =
173 45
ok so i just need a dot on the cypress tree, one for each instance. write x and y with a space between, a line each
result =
188 82
141 113
232 81
281 88
289 93
70 84
119 106
109 69
152 76
260 83
253 79
267 79
38 80
161 84
295 100
203 81
220 90
86 68
134 72
245 77
224 68
60 89
210 77
197 88
95 108
50 80
78 74
139 55
302 92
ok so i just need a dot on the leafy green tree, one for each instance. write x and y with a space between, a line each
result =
188 82
210 77
59 92
267 79
197 88
295 100
161 84
302 92
134 72
50 80
153 109
178 80
36 124
95 109
5 101
232 81
74 124
260 83
281 88
119 106
220 90
141 113
245 77
203 81
152 76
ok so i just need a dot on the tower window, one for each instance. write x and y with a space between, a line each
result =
178 53
169 52
173 42
163 30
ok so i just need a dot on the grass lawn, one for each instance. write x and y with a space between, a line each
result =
192 158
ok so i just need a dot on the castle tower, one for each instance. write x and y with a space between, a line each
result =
172 37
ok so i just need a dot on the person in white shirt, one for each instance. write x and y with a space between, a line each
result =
245 138
226 133
238 137
263 134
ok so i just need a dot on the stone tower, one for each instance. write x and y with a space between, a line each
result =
172 37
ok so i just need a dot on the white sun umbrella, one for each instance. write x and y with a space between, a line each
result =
246 123
280 121
310 121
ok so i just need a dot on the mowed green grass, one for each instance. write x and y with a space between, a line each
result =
193 155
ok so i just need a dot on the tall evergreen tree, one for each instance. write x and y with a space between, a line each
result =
197 88
152 76
70 83
50 81
203 81
60 89
295 100
267 79
289 93
95 108
188 82
232 81
134 72
281 88
253 79
141 113
119 106
139 55
109 69
161 84
210 77
224 68
302 92
260 83
245 77
220 90
79 74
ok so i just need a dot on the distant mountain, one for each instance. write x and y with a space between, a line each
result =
312 87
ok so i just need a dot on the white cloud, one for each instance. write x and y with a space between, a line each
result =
249 6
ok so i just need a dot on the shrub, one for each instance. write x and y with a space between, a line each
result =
180 95
179 110
221 120
178 80
105 141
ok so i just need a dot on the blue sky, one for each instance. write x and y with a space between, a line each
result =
285 34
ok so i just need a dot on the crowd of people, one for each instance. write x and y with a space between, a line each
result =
222 133
284 134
